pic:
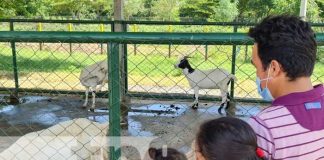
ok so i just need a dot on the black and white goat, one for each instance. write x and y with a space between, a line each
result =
93 78
207 79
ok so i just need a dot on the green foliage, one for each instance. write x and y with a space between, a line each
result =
320 54
262 8
7 9
167 9
101 8
320 5
25 8
132 7
82 8
198 9
226 11
313 11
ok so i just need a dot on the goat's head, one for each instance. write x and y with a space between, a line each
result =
183 63
166 154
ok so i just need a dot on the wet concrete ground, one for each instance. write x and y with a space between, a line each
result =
174 122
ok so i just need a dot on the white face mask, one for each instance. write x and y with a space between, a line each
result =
265 92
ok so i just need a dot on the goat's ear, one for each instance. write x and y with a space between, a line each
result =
152 152
102 69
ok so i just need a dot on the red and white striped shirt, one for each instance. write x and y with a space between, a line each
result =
293 127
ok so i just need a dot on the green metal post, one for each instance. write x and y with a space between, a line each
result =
70 30
114 101
169 55
135 47
39 29
206 30
14 98
233 64
206 52
246 53
169 30
125 62
102 29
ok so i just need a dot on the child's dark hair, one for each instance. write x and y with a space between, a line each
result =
170 154
227 138
290 41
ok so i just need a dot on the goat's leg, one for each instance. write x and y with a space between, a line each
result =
86 98
195 104
224 100
228 99
93 101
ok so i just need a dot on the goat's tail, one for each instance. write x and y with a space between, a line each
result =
232 77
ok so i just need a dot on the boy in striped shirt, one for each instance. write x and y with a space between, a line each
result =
284 55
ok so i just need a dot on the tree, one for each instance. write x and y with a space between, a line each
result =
26 8
75 8
101 8
320 4
198 9
7 9
133 7
313 11
259 9
166 9
226 11
82 8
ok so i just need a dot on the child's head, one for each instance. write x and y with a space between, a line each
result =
226 139
166 154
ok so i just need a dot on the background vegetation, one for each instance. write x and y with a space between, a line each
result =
185 10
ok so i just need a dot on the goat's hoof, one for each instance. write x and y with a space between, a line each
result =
91 109
195 106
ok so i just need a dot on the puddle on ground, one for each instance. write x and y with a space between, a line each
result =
33 99
45 112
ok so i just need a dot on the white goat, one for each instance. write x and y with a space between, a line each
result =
94 77
73 139
206 79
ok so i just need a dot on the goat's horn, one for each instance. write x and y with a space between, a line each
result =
187 57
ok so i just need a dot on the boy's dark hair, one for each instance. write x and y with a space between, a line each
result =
227 138
290 41
171 154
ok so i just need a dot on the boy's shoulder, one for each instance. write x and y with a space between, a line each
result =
294 103
272 112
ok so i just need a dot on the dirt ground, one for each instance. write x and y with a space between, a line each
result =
174 122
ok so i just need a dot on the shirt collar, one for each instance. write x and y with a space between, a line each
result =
299 97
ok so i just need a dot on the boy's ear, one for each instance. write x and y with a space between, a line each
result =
152 152
276 68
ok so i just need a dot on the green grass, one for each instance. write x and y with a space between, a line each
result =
146 63
29 60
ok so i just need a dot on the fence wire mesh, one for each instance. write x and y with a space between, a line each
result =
49 122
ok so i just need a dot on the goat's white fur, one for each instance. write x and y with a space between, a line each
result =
217 78
93 78
72 139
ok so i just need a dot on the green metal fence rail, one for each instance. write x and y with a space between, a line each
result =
128 38
58 21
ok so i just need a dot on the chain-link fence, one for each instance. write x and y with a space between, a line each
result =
46 81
